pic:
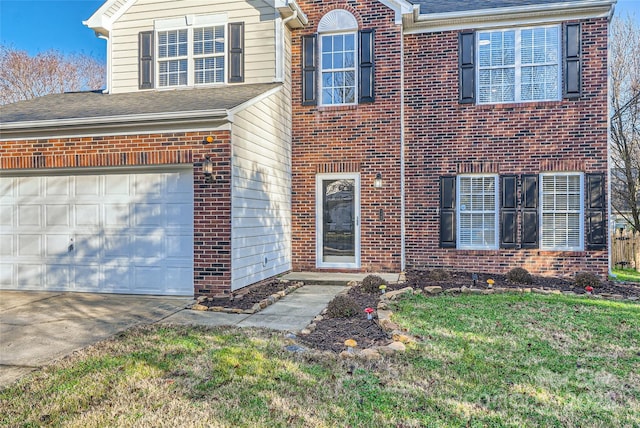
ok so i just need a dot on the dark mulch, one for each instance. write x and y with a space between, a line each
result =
330 333
456 279
246 297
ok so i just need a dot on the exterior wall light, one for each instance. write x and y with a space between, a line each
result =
207 169
377 183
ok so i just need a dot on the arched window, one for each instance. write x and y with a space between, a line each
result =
338 62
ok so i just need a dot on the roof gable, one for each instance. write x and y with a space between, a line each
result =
102 19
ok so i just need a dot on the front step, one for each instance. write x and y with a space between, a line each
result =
338 278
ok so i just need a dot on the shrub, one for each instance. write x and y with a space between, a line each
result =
371 284
584 279
439 275
520 276
342 306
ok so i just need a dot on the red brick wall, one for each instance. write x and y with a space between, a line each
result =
212 201
363 139
446 138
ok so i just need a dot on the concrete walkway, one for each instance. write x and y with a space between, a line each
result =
291 313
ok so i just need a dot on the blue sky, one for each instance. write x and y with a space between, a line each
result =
40 25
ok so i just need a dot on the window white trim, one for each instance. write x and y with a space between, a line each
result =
518 65
463 211
353 69
191 23
567 213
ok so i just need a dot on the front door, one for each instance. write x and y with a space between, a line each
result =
338 220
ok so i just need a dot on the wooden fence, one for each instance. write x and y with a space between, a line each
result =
625 249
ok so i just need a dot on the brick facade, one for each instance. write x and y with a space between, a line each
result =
212 201
445 137
364 139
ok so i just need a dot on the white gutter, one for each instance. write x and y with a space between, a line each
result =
516 15
117 120
107 88
609 158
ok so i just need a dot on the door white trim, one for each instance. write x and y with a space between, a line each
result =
320 263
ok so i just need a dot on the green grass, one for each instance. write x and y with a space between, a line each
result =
501 360
626 275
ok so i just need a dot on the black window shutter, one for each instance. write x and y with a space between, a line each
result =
447 212
572 66
236 52
145 59
508 211
467 72
595 212
530 214
366 67
309 77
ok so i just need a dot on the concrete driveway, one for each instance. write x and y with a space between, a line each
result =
37 328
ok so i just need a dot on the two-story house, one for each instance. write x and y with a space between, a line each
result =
236 141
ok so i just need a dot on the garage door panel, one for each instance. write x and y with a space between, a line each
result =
57 245
57 215
30 215
86 277
30 186
117 245
57 186
87 185
87 215
57 274
146 215
6 215
179 215
116 215
117 185
30 276
129 232
7 245
7 278
148 245
30 246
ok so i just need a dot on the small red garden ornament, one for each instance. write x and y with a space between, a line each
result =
369 312
589 289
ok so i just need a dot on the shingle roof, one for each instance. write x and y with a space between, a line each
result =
440 6
85 105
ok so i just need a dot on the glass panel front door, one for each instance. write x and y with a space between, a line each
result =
339 222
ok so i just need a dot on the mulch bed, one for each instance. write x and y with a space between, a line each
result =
457 279
246 297
330 333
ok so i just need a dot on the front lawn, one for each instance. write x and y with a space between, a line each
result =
500 360
626 275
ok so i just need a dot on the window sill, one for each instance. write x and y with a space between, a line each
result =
521 105
338 108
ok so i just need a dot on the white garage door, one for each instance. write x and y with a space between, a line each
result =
125 232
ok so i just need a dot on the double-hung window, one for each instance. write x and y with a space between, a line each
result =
477 211
338 63
191 56
519 65
562 211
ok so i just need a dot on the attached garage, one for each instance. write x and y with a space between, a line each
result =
118 230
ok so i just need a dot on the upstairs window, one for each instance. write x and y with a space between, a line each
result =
337 62
192 50
519 65
202 48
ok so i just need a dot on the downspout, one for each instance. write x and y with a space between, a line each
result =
280 73
402 149
609 220
108 76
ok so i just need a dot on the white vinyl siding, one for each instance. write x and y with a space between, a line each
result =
519 65
562 215
261 191
477 202
259 52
